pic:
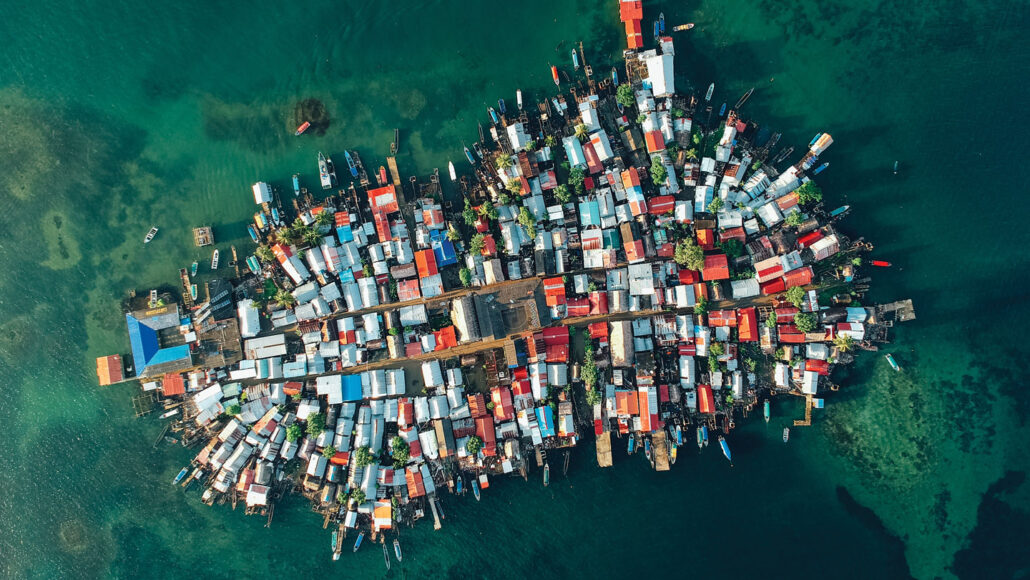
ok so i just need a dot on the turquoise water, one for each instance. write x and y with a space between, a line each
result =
114 118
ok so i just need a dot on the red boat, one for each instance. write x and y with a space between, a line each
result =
881 263
554 74
302 128
382 175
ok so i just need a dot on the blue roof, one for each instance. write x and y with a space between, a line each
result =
352 388
589 213
146 350
345 234
444 250
545 419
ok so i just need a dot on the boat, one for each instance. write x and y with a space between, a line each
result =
672 454
493 115
275 217
193 268
477 149
744 99
783 154
253 234
683 27
303 127
193 291
450 169
475 487
820 169
357 543
182 474
630 446
332 170
661 23
767 410
894 363
336 555
461 485
296 184
396 145
397 549
386 556
814 139
554 75
501 107
647 449
547 474
150 235
722 110
700 438
679 435
725 449
840 210
323 172
656 33
518 98
350 164
468 155
382 175
214 260
482 135
252 263
895 168
711 90
786 434
173 412
575 59
881 264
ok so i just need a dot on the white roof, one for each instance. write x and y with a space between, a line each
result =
250 318
660 73
262 192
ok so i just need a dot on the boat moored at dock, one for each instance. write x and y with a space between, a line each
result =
353 167
253 234
683 27
766 410
468 155
450 169
821 168
711 91
554 76
547 474
397 549
386 556
493 115
357 543
575 59
518 98
501 107
744 99
182 474
725 449
323 172
193 268
840 210
296 185
475 487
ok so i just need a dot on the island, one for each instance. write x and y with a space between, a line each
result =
618 263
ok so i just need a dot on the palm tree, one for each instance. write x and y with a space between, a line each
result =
844 343
323 219
311 236
504 161
284 299
550 141
692 154
286 235
581 131
265 254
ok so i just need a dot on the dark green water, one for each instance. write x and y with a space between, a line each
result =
114 117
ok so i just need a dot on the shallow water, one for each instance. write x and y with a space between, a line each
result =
113 119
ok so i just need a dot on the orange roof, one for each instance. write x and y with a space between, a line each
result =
446 338
477 405
425 260
705 400
173 384
109 369
383 514
631 10
706 239
747 327
655 141
630 177
383 199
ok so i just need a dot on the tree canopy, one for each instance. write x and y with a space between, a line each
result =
316 424
293 432
658 172
468 214
794 219
561 193
504 161
715 205
689 254
809 192
328 451
805 321
363 457
488 210
465 275
624 95
453 234
477 243
701 307
796 296
401 451
473 445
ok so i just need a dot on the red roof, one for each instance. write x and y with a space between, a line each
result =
701 290
425 260
588 183
413 477
663 394
340 458
578 307
485 431
626 403
405 411
733 234
662 204
556 335
383 198
774 286
689 276
554 291
630 177
446 337
489 245
747 325
819 366
666 250
706 239
687 349
501 398
810 238
655 141
634 250
716 267
477 405
722 318
786 315
598 303
482 225
109 369
520 373
593 162
790 334
705 400
798 277
598 330
413 349
630 11
173 384
558 353
408 290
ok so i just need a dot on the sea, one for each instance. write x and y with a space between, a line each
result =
116 116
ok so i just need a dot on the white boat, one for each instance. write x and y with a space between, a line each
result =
786 434
518 98
711 90
397 549
450 168
323 172
171 413
894 363
150 235
214 260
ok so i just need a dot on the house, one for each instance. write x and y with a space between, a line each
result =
262 193
574 152
157 346
109 370
716 268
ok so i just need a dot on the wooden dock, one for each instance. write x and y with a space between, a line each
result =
203 236
661 451
395 173
808 414
604 449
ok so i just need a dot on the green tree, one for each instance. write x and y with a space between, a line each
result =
366 270
691 154
796 296
323 219
582 131
312 236
530 146
794 219
678 113
561 193
341 498
488 210
589 371
232 410
394 331
293 432
733 248
844 342
465 275
328 451
357 496
658 172
641 118
504 161
716 349
550 141
452 233
284 299
771 321
624 95
503 198
401 451
809 192
468 214
473 445
264 253
689 255
477 243
286 235
856 261
715 205
805 321
316 424
514 187
363 457
593 397
701 307
713 364
577 177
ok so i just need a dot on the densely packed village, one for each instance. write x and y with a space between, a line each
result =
621 260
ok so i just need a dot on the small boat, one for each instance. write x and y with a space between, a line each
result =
214 260
357 543
336 555
461 485
840 210
894 363
647 449
252 263
786 434
656 33
518 98
193 268
275 217
386 556
672 454
554 75
296 185
501 107
253 234
881 264
631 445
725 449
323 172
547 474
711 91
150 235
615 76
475 487
679 435
895 168
450 169
477 149
493 115
332 170
744 99
382 175
704 434
468 155
182 474
193 291
767 410
397 549
303 127
482 135
396 145
575 59
700 438
814 139
783 154
683 27
661 23
350 164
820 169
173 412
722 110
